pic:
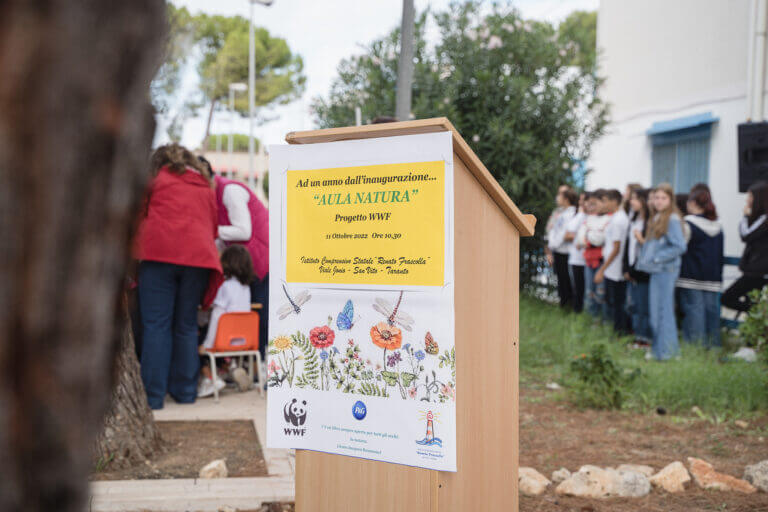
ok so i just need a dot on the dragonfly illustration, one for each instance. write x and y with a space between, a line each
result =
394 315
293 305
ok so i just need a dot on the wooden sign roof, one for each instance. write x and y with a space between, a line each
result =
524 223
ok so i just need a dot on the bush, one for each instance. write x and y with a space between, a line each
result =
599 380
754 330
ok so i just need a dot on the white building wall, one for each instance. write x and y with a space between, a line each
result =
664 60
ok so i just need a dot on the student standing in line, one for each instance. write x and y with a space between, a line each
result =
660 256
593 239
611 270
701 272
627 197
576 256
753 229
559 247
637 281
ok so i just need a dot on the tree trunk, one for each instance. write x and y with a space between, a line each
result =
129 434
206 137
75 132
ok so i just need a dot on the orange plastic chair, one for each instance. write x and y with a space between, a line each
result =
237 334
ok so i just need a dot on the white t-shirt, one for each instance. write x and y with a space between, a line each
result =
235 199
556 235
232 297
576 252
616 231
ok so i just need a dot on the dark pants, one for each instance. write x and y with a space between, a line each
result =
260 294
615 297
735 297
563 279
168 299
577 285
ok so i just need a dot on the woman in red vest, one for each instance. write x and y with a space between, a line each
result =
243 219
177 252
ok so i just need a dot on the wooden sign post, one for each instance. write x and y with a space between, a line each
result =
488 227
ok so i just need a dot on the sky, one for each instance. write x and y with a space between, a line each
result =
324 33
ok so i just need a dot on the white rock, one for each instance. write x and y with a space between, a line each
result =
672 478
746 354
554 386
637 468
531 482
594 482
560 475
757 475
214 469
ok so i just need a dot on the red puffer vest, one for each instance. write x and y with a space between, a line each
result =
258 244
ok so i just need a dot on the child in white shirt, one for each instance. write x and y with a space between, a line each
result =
234 296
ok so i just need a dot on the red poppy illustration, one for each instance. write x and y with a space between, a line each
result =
321 337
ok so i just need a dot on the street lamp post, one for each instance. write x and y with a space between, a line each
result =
252 91
234 87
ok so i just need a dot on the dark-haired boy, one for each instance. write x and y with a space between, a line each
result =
611 269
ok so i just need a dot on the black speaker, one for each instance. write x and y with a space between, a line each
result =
753 154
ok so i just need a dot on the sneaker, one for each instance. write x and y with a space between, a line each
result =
648 356
240 376
207 387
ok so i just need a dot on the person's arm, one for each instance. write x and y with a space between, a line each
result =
235 199
675 245
600 275
756 230
213 325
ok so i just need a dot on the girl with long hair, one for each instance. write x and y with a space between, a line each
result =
753 229
637 289
660 256
701 273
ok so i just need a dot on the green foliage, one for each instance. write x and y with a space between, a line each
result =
754 330
448 359
550 338
371 389
308 378
239 142
507 84
599 380
577 36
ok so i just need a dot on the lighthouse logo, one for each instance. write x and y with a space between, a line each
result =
430 439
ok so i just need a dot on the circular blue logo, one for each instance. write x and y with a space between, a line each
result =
358 410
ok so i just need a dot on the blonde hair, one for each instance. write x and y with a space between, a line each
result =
658 224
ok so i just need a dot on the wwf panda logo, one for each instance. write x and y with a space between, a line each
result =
295 413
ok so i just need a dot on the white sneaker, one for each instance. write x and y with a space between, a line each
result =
207 387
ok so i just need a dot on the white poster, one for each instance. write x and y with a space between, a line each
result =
361 358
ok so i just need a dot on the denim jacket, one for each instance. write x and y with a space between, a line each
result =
663 254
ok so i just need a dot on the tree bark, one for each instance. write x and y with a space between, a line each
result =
75 132
130 434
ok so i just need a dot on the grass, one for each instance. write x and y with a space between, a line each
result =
550 339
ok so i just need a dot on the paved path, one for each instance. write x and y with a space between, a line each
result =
205 495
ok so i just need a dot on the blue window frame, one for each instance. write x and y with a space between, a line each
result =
680 151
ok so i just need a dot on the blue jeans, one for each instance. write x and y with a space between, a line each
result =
637 308
594 294
168 298
661 298
701 320
614 312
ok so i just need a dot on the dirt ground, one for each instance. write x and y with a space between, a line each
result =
190 445
554 435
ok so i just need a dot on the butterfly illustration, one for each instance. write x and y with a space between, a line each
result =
293 305
430 345
346 319
394 315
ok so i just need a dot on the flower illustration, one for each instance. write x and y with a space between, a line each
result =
282 343
412 392
321 337
448 391
323 355
393 359
272 368
419 355
386 336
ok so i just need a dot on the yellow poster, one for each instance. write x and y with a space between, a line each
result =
367 225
